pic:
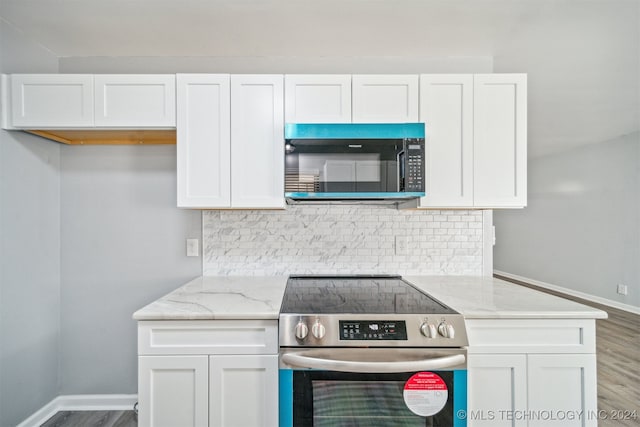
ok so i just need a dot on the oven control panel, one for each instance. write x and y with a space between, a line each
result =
387 330
373 330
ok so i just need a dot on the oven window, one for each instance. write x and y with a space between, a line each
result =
336 399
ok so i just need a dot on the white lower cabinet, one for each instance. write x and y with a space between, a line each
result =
497 383
532 373
226 376
241 391
562 389
173 391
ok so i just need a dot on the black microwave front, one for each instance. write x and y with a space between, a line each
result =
354 161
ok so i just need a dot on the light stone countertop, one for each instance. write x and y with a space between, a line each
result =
491 298
219 297
259 297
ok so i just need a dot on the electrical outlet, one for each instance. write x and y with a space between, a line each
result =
192 247
402 245
622 289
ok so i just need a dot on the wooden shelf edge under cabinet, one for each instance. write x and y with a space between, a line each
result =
109 137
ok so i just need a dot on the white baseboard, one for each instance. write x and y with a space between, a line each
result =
81 402
578 294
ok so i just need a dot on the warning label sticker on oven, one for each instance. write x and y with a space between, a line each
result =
425 394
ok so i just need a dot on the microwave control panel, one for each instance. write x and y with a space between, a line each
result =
373 330
414 168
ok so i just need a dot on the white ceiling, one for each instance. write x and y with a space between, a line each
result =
582 56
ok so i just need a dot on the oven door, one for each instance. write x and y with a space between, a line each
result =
381 387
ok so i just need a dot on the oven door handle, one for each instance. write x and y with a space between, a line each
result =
301 360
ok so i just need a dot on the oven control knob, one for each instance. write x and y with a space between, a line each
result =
428 330
301 330
318 330
446 330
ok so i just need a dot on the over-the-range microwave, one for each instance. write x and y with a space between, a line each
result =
354 161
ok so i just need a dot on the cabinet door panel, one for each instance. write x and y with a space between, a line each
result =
244 391
385 98
257 141
446 108
203 140
173 391
497 388
318 98
135 100
41 101
500 140
562 386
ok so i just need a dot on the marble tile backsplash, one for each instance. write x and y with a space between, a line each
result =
342 239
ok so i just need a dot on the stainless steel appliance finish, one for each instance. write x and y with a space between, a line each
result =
369 350
365 311
379 360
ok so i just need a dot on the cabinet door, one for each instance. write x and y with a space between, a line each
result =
563 384
500 140
135 100
318 98
41 101
497 387
257 141
173 391
203 140
384 98
243 391
446 108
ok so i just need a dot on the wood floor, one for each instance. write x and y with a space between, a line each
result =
618 352
93 419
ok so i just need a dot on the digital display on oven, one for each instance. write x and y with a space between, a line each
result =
373 330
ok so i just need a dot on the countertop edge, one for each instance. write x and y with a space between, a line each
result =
273 291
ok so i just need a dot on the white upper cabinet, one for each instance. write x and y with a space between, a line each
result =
476 140
85 101
500 140
230 137
257 141
135 100
317 98
203 140
51 100
384 98
446 108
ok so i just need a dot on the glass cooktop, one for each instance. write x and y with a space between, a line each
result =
357 295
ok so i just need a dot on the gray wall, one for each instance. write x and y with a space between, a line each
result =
29 252
123 246
581 229
276 64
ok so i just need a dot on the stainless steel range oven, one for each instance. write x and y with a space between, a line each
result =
363 351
